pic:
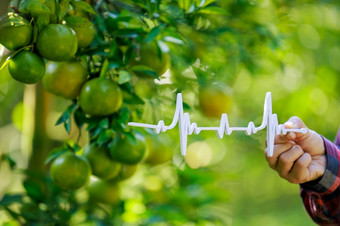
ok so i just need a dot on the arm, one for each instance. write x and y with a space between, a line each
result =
313 162
321 198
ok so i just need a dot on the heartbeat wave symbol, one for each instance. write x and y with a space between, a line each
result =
187 128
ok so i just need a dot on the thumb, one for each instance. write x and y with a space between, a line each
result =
296 123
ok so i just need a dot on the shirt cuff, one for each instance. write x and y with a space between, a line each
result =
331 178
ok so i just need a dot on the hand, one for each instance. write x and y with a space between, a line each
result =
297 157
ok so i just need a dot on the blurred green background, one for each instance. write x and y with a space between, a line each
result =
290 48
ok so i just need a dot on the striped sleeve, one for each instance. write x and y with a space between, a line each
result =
321 198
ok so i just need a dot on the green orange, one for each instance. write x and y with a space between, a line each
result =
100 97
127 150
70 171
127 171
101 163
15 31
107 192
57 42
158 150
84 29
65 78
214 101
26 67
153 57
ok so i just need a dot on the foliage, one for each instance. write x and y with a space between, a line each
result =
247 47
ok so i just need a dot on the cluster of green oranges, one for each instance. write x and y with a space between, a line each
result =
54 42
110 165
62 75
49 54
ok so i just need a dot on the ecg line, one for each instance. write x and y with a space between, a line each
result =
187 128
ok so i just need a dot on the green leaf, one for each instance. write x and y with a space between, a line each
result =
64 6
154 33
79 118
203 3
144 69
42 21
129 32
123 116
34 7
132 98
184 4
104 123
131 137
9 159
186 106
72 146
10 57
13 214
213 10
105 68
10 199
83 6
173 40
34 189
12 20
5 63
105 136
55 153
66 117
93 123
124 76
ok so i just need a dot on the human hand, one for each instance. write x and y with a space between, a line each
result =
297 157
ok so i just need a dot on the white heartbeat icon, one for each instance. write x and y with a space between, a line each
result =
187 128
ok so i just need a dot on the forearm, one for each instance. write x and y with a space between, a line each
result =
322 197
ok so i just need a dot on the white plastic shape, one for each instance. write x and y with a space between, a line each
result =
187 128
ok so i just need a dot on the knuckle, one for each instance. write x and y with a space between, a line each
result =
297 148
300 163
271 165
282 174
284 159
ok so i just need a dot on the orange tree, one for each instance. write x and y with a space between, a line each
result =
97 54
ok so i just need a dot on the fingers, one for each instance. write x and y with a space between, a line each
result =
300 172
296 123
278 150
287 159
279 139
293 123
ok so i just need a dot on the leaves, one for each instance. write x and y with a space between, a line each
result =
84 6
10 199
12 20
9 159
124 76
10 57
38 10
104 68
65 118
214 10
145 69
63 8
55 153
154 33
105 136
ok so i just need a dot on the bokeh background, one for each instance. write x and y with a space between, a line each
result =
288 48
